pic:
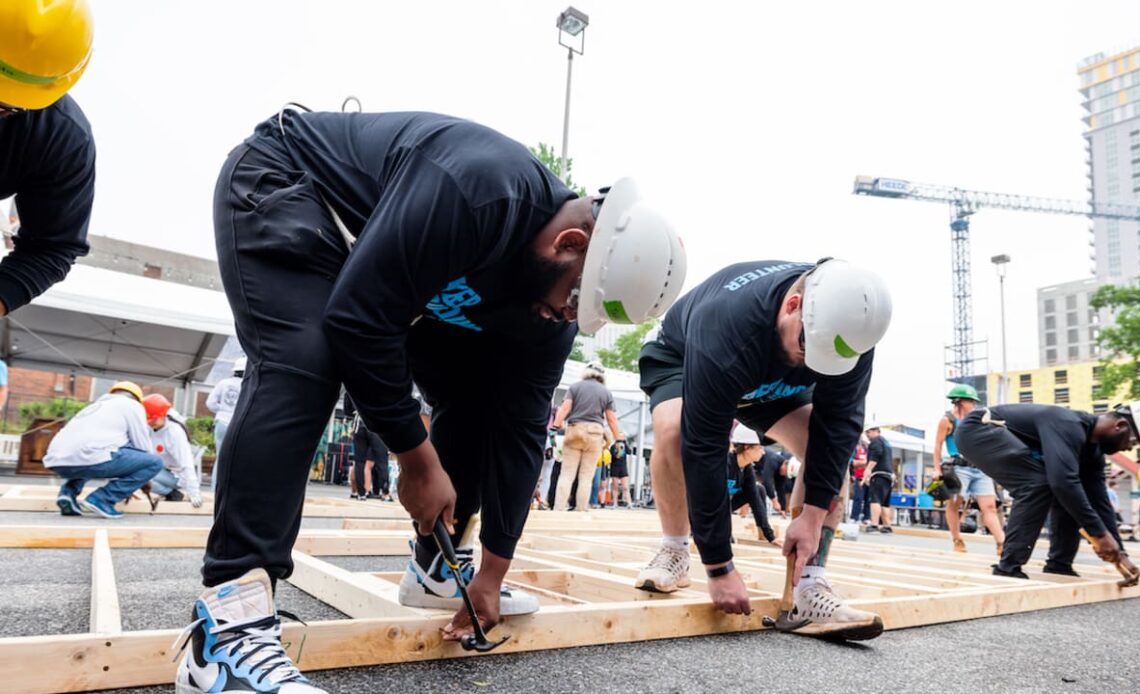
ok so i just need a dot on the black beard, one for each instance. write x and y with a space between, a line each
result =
535 276
1115 444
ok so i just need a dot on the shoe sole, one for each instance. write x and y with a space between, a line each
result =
650 587
92 508
68 508
846 632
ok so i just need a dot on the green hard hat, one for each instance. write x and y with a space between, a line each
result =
963 392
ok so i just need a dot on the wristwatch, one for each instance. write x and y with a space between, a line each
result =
721 571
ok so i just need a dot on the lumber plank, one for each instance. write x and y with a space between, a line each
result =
105 615
357 595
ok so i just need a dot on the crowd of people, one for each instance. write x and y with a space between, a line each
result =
374 251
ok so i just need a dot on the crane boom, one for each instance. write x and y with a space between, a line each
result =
964 203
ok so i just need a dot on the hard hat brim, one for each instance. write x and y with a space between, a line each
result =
822 358
592 313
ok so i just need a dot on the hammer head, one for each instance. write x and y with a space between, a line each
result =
471 642
784 622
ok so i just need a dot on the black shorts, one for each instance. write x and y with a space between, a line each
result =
618 468
879 490
662 375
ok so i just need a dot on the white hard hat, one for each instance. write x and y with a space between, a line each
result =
239 365
1129 411
745 436
596 366
846 311
635 264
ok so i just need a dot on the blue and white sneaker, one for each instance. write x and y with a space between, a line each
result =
235 643
430 583
68 504
98 507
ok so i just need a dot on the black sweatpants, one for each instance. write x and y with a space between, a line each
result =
1012 464
755 496
279 254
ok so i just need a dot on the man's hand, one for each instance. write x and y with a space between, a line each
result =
802 538
729 594
937 472
1106 548
425 489
484 593
196 500
866 480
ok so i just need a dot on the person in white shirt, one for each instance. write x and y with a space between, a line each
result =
222 402
172 444
109 439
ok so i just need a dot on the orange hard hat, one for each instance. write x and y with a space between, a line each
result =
156 406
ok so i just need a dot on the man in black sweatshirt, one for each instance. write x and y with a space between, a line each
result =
48 159
786 348
371 249
1051 459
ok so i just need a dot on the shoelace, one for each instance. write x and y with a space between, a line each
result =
251 637
669 559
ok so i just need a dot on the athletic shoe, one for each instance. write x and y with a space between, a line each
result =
93 504
667 572
429 582
960 545
828 614
1016 573
68 505
235 643
886 530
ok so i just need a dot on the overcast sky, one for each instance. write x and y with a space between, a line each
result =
746 121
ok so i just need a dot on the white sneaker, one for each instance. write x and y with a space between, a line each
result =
667 572
435 587
235 643
828 614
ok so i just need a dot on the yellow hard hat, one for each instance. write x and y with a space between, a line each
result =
44 49
128 387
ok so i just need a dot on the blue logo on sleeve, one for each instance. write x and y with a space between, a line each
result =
773 391
448 305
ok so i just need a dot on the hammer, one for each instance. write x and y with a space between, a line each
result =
471 642
1130 579
783 620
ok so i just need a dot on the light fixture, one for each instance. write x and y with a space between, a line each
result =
573 21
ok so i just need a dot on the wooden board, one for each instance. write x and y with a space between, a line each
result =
580 566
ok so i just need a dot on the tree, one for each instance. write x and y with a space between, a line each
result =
577 354
1120 342
626 349
545 154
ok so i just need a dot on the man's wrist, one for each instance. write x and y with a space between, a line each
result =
721 570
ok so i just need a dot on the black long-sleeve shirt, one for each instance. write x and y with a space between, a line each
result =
725 329
1074 466
742 480
770 475
444 212
47 160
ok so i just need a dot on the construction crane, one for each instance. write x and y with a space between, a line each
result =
963 204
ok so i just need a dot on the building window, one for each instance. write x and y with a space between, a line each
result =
1100 407
1050 339
1094 317
1071 319
1097 373
1094 333
1050 322
1061 396
1096 392
1074 352
1073 335
1071 302
1113 246
1061 377
1025 396
1050 356
1025 380
1050 306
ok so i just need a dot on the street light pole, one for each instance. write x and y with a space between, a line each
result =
1000 261
572 23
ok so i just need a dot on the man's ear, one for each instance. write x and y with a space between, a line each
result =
793 303
574 241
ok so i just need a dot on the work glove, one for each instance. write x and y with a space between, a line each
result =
196 500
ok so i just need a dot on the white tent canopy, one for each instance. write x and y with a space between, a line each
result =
105 323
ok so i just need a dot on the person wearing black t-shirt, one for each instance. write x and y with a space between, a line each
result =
371 249
1051 459
48 159
787 349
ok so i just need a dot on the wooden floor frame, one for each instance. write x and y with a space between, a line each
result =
580 566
